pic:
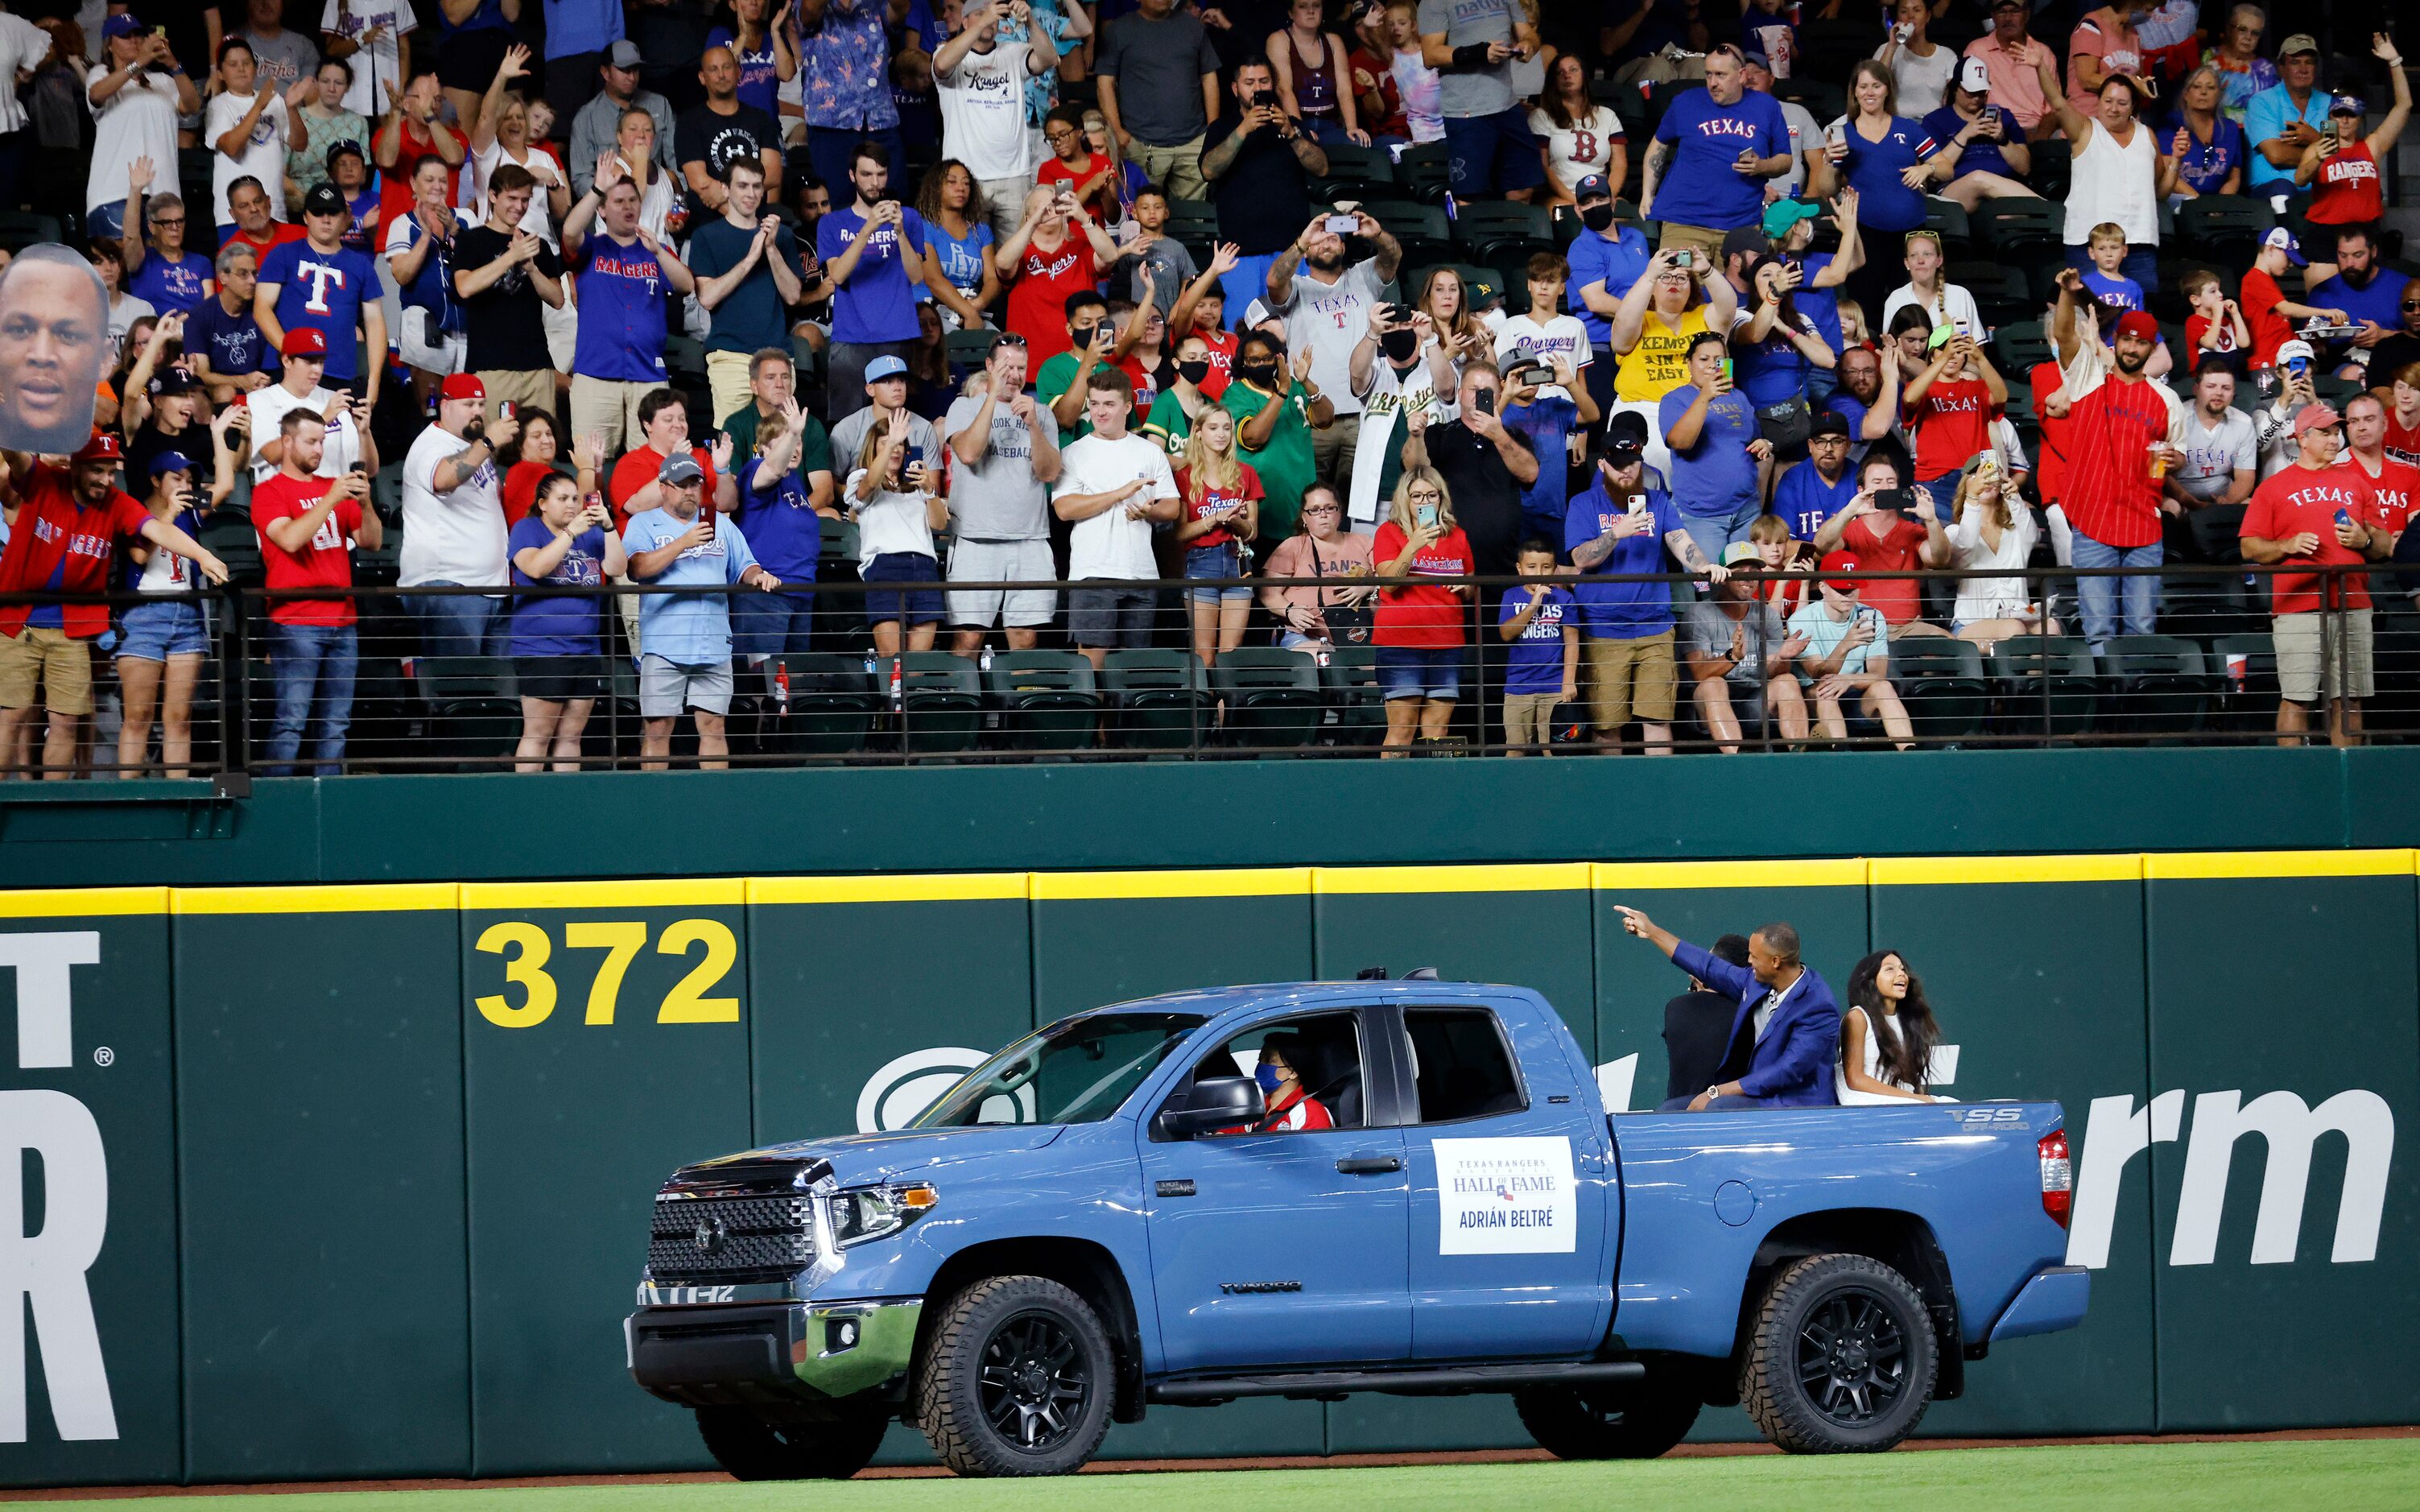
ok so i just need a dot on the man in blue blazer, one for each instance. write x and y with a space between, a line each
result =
1786 1037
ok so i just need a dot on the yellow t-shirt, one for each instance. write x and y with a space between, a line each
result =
1659 363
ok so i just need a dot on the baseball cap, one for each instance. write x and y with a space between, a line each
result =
1942 335
1742 553
1782 214
2299 42
679 470
2138 323
171 461
1745 238
463 386
1591 187
1828 423
171 382
323 199
1628 427
1974 76
102 447
2313 417
346 148
2347 106
2010 4
120 27
304 341
623 54
885 366
1837 563
2295 350
2283 240
1754 57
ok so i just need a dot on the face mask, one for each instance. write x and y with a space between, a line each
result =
1193 372
1267 1077
1597 217
1082 335
1261 375
1399 346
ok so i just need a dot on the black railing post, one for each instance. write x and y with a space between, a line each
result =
235 688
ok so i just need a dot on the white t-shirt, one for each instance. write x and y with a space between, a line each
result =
539 219
455 536
983 114
263 157
892 523
1923 82
1584 148
123 312
1109 545
1562 335
2214 453
269 405
1331 320
23 45
138 121
1953 306
380 62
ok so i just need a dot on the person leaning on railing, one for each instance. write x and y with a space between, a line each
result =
566 540
1419 628
1313 618
307 526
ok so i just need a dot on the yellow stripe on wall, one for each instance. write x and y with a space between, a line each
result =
2250 865
354 897
951 887
1614 876
1911 871
85 902
1533 877
1242 882
649 893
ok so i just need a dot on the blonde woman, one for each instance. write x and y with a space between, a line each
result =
892 497
1419 630
1220 494
1993 530
503 135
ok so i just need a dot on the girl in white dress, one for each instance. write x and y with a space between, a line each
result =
1886 1035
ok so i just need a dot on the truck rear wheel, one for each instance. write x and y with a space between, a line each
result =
753 1449
1606 1421
1015 1380
1841 1356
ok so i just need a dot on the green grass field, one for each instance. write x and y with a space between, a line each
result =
2341 1476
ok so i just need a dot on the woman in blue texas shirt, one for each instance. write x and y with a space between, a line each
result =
1717 456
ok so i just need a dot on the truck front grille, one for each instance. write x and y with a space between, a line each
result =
730 1240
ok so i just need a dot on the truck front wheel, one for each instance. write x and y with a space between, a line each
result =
753 1449
1840 1359
1015 1380
1627 1422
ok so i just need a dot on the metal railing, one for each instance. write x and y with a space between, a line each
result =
2208 675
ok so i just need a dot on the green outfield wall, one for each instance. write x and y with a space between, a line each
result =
350 1178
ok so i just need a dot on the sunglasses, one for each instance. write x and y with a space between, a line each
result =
1008 340
2410 305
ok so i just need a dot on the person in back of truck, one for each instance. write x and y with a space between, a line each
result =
1786 1036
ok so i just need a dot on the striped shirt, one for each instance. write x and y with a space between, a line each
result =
2109 494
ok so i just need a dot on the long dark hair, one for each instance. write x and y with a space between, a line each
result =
1906 1039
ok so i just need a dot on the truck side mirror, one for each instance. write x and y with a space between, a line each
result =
1213 1103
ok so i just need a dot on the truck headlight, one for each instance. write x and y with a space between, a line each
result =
866 1213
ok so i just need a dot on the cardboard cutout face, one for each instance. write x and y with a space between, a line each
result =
54 350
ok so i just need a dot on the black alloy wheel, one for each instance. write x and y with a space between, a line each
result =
1033 1383
1852 1358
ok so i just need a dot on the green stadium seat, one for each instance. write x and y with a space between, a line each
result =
2047 685
1159 700
1941 684
1047 700
1272 696
940 701
831 709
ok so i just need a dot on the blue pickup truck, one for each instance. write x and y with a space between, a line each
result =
1093 1223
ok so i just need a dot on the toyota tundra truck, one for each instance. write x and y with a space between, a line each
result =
1094 1222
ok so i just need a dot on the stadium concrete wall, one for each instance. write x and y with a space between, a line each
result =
351 1180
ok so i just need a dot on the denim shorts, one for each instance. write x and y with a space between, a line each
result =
156 632
1421 672
920 605
1216 562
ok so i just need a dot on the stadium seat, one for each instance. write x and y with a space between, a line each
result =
472 707
1940 683
2046 685
2018 348
1272 696
1046 700
1503 233
2000 291
1426 235
1350 680
1160 700
969 349
2246 667
22 228
2157 685
1423 172
831 709
1948 218
2223 229
2019 230
940 701
1823 99
1368 163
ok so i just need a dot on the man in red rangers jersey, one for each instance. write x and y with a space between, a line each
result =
69 522
307 525
2314 513
2122 435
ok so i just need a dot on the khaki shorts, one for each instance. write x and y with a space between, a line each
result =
726 380
528 391
609 407
2322 655
1705 241
1629 679
39 657
1530 718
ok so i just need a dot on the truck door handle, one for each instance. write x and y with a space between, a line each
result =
1369 1164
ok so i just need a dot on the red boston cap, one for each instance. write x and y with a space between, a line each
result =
463 386
304 341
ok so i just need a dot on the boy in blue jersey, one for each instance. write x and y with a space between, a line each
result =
1543 669
320 283
2103 279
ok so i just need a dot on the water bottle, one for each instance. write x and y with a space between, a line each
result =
985 659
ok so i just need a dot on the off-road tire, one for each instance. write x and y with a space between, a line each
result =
753 1449
1863 1332
1008 1354
1634 1420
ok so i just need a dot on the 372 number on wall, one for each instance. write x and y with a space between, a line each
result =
527 948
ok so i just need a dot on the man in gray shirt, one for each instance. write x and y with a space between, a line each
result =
283 55
1160 93
1479 49
2222 462
1326 305
1740 658
1006 450
600 122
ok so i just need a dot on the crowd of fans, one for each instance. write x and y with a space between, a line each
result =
1029 292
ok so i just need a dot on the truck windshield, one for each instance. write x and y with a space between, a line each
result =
1076 1071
